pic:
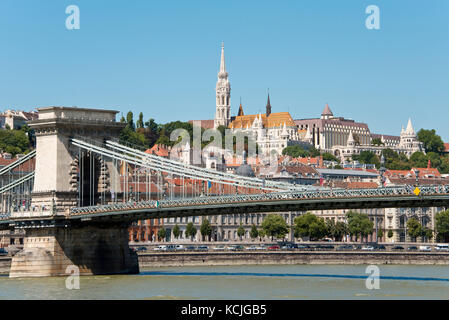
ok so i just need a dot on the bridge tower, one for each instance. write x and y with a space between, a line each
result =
62 173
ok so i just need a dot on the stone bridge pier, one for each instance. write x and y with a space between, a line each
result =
66 177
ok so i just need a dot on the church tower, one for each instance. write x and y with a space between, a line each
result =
223 95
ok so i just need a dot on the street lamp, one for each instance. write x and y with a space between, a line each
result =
382 169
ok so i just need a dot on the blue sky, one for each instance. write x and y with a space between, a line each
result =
162 58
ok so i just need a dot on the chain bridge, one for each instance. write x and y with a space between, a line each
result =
77 193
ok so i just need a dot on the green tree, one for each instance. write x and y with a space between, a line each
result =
390 234
206 229
418 159
309 225
14 141
190 231
380 233
139 123
431 141
367 157
162 233
254 233
262 234
377 142
240 232
130 121
359 224
426 234
295 152
414 228
275 226
341 230
442 226
176 231
330 157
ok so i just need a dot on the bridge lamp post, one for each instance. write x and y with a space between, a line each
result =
382 170
417 177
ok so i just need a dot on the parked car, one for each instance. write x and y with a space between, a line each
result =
261 247
141 249
202 248
232 248
344 247
190 248
380 247
397 248
219 248
275 247
425 248
412 248
160 248
179 247
368 248
303 247
171 247
289 246
251 248
442 247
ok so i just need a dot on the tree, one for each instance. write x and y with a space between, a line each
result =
426 234
341 230
442 226
330 157
275 226
359 224
414 228
418 159
380 233
377 142
390 234
190 230
431 141
254 233
130 121
309 225
162 233
261 234
295 152
367 157
14 141
240 231
139 123
176 231
206 229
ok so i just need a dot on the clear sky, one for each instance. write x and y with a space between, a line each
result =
162 58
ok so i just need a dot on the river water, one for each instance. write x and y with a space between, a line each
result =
243 282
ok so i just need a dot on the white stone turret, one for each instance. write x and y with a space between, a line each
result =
223 95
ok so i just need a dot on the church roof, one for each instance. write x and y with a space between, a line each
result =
327 111
273 120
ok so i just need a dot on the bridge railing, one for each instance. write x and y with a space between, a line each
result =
228 199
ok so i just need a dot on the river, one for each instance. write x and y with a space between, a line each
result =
243 282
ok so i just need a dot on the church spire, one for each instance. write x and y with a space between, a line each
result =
222 62
223 95
268 112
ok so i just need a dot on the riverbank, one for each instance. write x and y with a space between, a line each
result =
151 260
181 259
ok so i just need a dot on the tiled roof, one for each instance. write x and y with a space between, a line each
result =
205 124
273 120
159 150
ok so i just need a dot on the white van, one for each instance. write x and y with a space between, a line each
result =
425 248
160 248
442 247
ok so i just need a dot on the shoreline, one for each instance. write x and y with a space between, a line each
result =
181 259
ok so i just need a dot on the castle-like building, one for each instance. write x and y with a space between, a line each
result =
274 131
271 131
